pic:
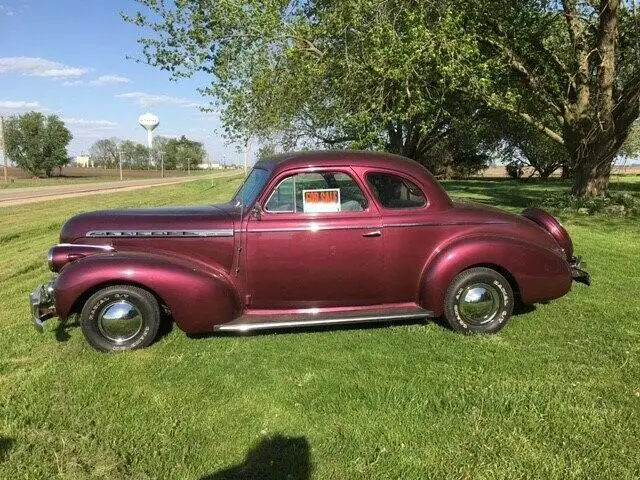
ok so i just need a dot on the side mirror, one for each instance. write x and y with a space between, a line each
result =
256 211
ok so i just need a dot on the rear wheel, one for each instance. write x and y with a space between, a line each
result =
479 300
120 317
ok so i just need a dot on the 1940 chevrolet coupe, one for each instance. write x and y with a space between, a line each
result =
309 239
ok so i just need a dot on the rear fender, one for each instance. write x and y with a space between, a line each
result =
198 297
540 274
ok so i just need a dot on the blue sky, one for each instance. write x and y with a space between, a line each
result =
68 57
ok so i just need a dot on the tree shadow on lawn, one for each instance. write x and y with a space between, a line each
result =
273 458
6 444
506 192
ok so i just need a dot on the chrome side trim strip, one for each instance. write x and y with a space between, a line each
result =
160 233
440 224
310 228
246 327
366 227
106 248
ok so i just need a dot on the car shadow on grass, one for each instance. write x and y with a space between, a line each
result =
273 458
6 444
62 329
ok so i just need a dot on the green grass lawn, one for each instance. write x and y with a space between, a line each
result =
91 176
554 395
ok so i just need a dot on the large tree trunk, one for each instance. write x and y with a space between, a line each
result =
567 172
591 180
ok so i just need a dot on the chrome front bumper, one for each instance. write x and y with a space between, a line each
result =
578 274
42 306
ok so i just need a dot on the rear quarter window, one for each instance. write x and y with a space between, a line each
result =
395 192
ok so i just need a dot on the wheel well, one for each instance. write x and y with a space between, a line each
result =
502 271
82 299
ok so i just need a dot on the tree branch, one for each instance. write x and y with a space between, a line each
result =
532 80
541 127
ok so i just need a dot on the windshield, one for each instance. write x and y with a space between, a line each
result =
252 186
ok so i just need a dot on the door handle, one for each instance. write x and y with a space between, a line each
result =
375 233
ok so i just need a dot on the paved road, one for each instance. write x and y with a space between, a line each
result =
20 196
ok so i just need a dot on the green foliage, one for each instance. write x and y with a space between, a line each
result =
569 69
104 152
616 204
631 147
362 74
134 155
183 154
37 143
266 151
402 76
515 168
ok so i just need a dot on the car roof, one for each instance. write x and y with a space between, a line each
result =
354 158
333 158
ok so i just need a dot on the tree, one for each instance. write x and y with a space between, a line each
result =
158 149
520 145
267 150
570 69
631 146
37 143
397 75
104 152
361 73
183 154
134 155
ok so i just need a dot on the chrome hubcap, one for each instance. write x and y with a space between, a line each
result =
120 321
479 303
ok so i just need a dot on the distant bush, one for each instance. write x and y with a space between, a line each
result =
617 204
515 168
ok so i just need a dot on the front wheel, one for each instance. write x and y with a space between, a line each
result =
120 317
479 300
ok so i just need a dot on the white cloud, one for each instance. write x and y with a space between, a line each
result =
109 80
18 105
39 67
81 122
7 10
72 83
91 129
148 100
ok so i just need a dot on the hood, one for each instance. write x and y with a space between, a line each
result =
145 221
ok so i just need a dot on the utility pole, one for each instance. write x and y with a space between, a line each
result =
4 151
120 161
161 164
247 154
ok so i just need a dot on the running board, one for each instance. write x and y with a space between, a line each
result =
250 322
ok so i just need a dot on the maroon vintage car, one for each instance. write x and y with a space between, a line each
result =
309 239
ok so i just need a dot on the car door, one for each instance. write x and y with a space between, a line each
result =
410 234
317 243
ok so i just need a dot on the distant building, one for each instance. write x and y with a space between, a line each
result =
83 160
210 166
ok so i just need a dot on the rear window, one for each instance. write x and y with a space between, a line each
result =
395 192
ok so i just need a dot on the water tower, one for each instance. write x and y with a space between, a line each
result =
149 122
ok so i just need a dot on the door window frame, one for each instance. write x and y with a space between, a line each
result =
370 210
399 175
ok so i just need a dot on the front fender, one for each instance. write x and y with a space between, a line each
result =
540 273
198 297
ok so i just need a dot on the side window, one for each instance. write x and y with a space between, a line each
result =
395 192
317 192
